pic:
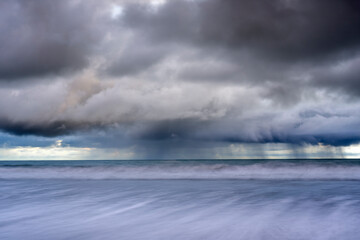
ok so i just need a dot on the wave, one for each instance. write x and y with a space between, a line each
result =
183 171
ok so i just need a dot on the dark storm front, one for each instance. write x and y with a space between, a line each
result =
61 204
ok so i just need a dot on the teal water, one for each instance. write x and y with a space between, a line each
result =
192 199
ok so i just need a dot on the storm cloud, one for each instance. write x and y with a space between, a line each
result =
279 30
45 37
283 71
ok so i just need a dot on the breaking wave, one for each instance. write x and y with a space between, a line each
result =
206 170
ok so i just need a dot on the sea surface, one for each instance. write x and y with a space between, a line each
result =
180 199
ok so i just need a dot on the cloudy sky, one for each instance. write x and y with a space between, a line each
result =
149 79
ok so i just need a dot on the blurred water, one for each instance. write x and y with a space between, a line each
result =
176 208
183 169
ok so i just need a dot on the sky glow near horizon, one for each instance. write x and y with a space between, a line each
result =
179 79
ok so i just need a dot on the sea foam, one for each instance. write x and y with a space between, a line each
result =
193 170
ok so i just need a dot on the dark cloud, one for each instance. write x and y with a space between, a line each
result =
305 127
51 129
230 71
273 43
44 37
343 77
171 129
284 30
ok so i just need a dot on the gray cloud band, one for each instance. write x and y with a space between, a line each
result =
234 71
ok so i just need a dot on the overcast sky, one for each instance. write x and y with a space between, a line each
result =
88 79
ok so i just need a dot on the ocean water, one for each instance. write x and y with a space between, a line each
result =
192 199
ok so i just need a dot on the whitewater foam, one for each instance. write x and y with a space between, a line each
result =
187 171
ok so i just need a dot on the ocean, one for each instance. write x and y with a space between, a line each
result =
180 199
